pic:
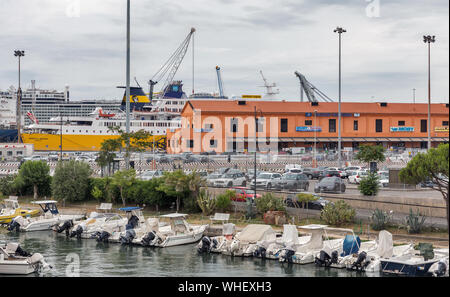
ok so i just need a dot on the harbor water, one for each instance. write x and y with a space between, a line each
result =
83 257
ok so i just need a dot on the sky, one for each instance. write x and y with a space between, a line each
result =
82 43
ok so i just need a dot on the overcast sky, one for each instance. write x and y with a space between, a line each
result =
82 43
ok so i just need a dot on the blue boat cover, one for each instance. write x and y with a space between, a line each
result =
129 208
351 245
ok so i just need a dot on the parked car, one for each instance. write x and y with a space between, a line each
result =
292 182
242 194
383 178
231 179
356 177
36 158
265 180
328 173
150 174
211 178
351 169
332 184
251 174
311 173
319 204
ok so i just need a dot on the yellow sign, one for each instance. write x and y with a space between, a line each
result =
441 129
251 97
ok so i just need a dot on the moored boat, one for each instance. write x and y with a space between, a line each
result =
12 209
15 261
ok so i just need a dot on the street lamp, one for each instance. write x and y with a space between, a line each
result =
19 53
339 30
256 145
315 139
429 39
127 90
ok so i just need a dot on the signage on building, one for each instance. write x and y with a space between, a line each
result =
251 97
441 129
328 114
308 129
402 129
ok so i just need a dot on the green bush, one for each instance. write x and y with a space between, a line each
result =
337 213
71 181
304 198
380 220
369 186
414 222
269 202
7 185
223 201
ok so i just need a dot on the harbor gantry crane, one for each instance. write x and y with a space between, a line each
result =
270 93
310 90
170 67
219 82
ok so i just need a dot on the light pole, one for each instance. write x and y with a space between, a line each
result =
127 90
19 53
339 30
315 139
256 145
414 96
429 39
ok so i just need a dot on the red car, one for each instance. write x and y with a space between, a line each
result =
242 194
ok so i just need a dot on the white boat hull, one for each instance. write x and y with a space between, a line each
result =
20 267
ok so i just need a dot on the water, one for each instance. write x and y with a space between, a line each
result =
111 259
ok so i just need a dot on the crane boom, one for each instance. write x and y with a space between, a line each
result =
170 67
219 81
310 90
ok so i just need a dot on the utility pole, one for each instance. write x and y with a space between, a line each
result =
339 30
429 39
19 53
127 91
414 96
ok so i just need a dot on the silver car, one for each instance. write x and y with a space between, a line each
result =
231 179
265 180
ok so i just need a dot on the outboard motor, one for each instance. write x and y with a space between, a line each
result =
205 245
361 262
21 252
132 222
323 260
77 232
13 226
65 227
287 255
148 239
334 257
260 252
103 237
442 269
215 243
130 234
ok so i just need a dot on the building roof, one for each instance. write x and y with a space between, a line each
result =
232 106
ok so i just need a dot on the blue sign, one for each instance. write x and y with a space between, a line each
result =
308 129
402 129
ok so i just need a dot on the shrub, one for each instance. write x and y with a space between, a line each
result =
97 193
223 201
7 186
305 198
380 220
337 213
206 202
414 222
269 202
369 185
34 175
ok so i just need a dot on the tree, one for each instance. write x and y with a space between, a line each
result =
430 166
369 185
371 153
71 181
36 174
123 179
305 199
107 153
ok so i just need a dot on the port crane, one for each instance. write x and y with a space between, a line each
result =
310 90
170 67
270 93
219 82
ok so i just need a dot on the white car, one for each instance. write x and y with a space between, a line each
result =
36 158
383 178
356 177
148 175
265 180
231 179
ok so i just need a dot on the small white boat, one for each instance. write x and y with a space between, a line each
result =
176 231
50 218
244 243
15 261
127 231
217 244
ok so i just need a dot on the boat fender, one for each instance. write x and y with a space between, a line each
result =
103 237
130 234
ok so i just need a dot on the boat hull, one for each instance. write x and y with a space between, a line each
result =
18 268
399 268
28 213
70 142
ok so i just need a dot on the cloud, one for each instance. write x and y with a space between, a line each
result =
382 57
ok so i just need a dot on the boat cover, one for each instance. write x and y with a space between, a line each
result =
351 245
385 244
290 235
228 229
255 232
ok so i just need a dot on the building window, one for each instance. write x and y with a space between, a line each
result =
234 125
209 126
444 123
284 125
423 144
213 143
308 122
355 125
423 126
190 143
332 125
378 125
401 123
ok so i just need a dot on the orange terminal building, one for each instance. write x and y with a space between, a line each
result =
229 125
